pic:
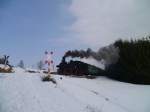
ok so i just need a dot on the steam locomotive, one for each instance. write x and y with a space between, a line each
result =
78 68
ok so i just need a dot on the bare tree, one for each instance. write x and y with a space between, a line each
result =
21 64
40 65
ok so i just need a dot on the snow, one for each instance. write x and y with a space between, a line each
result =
4 66
33 70
25 92
18 70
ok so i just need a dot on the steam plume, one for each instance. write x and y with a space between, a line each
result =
110 54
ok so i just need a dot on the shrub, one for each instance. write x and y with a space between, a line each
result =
48 78
6 69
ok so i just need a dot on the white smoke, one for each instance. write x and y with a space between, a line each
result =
92 61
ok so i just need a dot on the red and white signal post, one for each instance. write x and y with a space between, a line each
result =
48 60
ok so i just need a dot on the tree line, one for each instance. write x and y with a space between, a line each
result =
133 64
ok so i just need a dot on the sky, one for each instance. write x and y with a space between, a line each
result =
29 27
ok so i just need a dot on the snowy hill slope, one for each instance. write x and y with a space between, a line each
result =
25 92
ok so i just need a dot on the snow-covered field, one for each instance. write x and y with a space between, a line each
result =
25 92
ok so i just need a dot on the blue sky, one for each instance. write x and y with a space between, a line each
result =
29 27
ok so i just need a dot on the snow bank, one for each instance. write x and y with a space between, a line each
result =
18 70
25 92
4 66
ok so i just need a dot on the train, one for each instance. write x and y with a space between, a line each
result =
78 68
